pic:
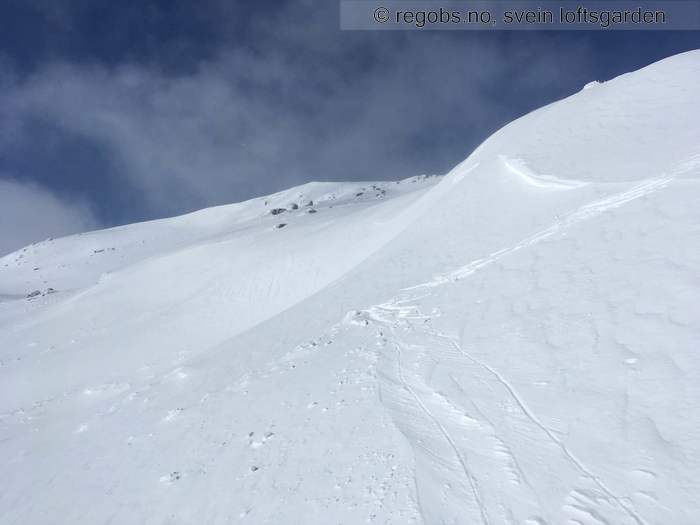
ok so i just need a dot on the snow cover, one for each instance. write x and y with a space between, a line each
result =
516 342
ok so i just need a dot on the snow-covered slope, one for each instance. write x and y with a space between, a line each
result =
514 343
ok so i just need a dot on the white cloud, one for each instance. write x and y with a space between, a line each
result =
304 104
242 125
30 213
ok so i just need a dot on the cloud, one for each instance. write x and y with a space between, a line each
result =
30 213
300 101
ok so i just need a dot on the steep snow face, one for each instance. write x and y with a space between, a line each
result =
636 126
515 344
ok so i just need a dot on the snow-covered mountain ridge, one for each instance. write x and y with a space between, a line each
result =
516 342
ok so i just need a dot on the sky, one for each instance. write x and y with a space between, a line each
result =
117 112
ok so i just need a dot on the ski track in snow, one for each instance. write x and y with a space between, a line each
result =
532 417
461 457
402 312
585 212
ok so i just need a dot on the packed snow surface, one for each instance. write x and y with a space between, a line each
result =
517 342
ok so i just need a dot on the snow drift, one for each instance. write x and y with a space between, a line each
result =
516 342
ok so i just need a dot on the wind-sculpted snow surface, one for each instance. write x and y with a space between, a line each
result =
516 344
